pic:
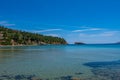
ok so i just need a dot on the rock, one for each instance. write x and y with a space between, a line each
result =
79 43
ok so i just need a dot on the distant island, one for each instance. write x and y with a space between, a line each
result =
16 37
79 43
118 43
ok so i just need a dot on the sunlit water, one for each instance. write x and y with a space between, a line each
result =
53 61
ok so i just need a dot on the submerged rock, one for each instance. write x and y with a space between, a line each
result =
66 78
105 70
78 73
102 64
18 77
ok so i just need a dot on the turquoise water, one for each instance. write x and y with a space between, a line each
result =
54 61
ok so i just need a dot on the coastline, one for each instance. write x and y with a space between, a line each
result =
52 44
15 45
29 45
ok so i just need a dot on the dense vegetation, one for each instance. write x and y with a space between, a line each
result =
15 37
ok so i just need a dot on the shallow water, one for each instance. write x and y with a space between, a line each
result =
54 61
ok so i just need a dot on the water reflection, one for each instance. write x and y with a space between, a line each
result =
9 52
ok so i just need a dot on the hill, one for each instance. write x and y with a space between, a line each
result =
16 37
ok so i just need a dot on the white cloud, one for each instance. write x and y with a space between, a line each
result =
54 35
82 35
94 29
102 34
90 29
5 23
87 35
80 30
109 33
84 27
47 30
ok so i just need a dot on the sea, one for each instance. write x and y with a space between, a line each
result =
60 62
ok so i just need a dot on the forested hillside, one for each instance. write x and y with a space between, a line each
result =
16 37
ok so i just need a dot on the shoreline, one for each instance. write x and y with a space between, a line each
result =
30 45
15 45
61 44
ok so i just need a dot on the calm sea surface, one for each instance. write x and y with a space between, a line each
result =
54 61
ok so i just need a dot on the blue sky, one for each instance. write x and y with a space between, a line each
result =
89 21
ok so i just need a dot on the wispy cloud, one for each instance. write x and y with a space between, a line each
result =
90 29
109 33
65 26
54 35
70 26
47 30
102 34
6 23
84 27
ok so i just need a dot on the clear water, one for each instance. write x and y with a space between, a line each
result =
54 61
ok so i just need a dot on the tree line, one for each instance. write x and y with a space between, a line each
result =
16 37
